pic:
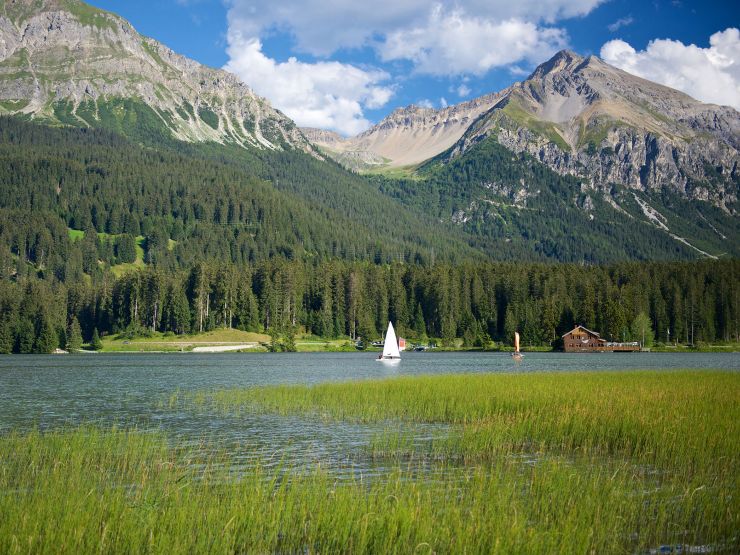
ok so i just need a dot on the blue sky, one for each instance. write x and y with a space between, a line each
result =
345 64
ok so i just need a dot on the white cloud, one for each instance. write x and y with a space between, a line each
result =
463 90
708 74
321 27
518 71
329 95
619 23
443 102
443 37
451 43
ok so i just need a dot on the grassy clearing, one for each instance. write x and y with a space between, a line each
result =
158 341
87 490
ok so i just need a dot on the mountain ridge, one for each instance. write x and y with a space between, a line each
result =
67 62
580 116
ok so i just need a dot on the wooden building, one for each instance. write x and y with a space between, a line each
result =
583 340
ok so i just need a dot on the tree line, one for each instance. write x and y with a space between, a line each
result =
480 303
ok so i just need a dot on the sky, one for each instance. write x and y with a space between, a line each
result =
345 64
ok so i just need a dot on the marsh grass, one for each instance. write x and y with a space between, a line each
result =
577 463
689 419
89 490
665 442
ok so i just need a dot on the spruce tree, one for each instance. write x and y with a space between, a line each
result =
25 336
6 337
47 340
95 343
74 336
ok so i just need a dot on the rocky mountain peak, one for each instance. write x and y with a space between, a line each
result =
71 63
565 60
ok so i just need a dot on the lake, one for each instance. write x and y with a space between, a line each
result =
46 391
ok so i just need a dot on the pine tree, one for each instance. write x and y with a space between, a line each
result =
6 337
47 340
95 343
74 336
125 248
25 336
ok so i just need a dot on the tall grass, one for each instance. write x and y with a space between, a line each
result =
686 419
576 463
93 491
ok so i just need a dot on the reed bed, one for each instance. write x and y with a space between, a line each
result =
671 419
98 491
547 463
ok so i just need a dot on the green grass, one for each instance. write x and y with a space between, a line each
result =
120 269
602 463
158 341
13 105
677 421
402 172
311 344
208 116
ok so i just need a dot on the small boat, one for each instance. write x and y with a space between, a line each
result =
390 353
516 355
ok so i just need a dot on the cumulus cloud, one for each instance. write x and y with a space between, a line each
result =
322 27
450 43
329 95
708 74
463 90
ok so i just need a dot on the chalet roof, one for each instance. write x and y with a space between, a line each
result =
584 329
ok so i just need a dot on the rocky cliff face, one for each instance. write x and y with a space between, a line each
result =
581 116
64 60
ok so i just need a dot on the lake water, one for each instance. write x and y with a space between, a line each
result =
46 391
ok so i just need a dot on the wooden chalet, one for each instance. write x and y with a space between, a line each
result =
582 340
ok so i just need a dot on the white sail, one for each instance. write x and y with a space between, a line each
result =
390 346
516 341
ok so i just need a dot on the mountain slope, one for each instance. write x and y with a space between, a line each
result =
519 209
64 61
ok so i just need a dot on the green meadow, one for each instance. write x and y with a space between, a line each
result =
530 463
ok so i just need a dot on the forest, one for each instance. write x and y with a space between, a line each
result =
100 235
687 302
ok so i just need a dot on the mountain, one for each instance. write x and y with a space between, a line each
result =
63 61
583 117
103 129
406 137
626 159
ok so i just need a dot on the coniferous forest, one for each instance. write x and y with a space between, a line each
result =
478 302
100 235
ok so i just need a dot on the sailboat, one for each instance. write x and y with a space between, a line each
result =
516 355
390 346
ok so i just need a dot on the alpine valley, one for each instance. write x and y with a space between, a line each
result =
107 130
